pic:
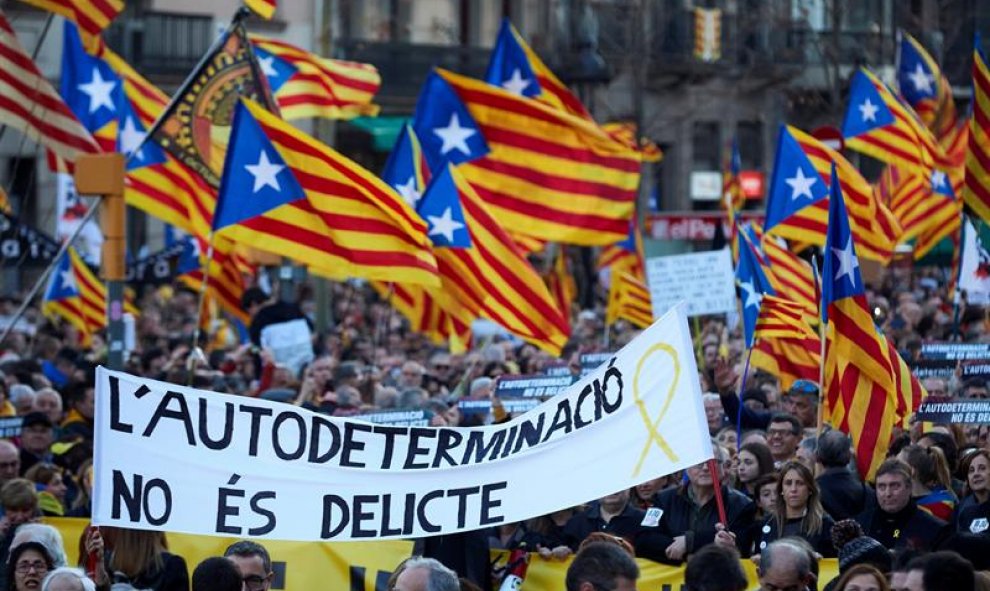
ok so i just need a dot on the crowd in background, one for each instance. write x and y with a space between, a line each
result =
781 480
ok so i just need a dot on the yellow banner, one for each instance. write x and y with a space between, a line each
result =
548 575
298 566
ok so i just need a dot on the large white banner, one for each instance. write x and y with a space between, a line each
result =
178 459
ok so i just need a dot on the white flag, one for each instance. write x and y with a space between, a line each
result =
974 272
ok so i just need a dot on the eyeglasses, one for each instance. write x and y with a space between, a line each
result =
26 567
255 582
780 432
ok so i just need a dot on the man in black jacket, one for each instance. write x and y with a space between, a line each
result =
894 520
690 515
843 494
614 514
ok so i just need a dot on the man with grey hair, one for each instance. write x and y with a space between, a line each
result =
10 461
425 574
49 402
785 566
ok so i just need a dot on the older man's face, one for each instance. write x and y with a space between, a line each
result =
412 579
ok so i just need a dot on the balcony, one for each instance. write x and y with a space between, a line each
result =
404 66
162 46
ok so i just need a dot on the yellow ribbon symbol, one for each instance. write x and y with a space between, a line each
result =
651 425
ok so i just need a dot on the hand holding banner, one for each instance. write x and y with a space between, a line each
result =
178 459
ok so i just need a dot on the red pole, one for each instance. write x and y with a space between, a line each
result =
719 502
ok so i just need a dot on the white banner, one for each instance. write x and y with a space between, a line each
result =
176 459
704 281
974 268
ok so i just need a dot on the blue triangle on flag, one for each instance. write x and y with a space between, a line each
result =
255 177
440 208
795 183
840 273
867 110
400 169
444 126
915 79
509 68
88 85
131 134
63 281
276 70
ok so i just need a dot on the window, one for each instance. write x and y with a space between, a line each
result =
749 135
706 145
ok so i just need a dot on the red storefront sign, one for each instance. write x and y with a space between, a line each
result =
688 225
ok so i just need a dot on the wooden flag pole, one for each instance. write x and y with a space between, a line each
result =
822 330
195 353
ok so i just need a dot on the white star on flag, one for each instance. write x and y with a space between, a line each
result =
868 110
267 65
265 173
848 262
921 79
454 136
130 138
938 179
801 185
752 297
516 84
445 225
408 191
68 280
98 90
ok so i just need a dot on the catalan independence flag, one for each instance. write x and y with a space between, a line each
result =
286 193
543 172
791 276
782 319
481 267
92 16
976 191
788 359
753 286
515 67
563 288
30 105
797 205
625 256
920 79
77 295
859 390
629 300
878 124
909 390
733 198
307 85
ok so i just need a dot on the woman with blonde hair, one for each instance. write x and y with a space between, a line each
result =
798 512
141 559
862 577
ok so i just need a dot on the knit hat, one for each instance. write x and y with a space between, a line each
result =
857 548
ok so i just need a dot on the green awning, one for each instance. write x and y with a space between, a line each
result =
383 129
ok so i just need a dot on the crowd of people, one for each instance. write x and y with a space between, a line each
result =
791 494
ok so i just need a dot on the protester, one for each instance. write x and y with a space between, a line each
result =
862 577
854 547
947 571
254 564
216 574
140 558
37 436
67 579
801 401
785 565
754 460
614 514
783 437
931 481
843 494
715 568
600 565
895 520
973 513
27 567
10 461
798 512
424 574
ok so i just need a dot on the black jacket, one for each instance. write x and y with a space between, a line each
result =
973 517
682 516
750 419
631 524
908 528
843 495
821 542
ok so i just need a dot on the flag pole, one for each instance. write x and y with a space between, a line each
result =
742 388
195 352
48 270
956 297
822 330
382 325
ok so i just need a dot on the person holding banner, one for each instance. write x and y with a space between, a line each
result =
689 516
614 514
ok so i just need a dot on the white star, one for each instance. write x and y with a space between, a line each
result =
454 136
938 179
408 191
921 79
848 262
801 185
98 90
516 84
265 173
445 225
267 65
68 280
752 297
130 138
868 110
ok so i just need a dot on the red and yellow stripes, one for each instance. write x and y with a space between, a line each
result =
263 8
791 276
555 93
909 390
563 288
92 16
976 189
874 227
322 87
444 323
905 142
351 224
549 174
30 105
860 396
788 359
629 299
780 318
493 279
